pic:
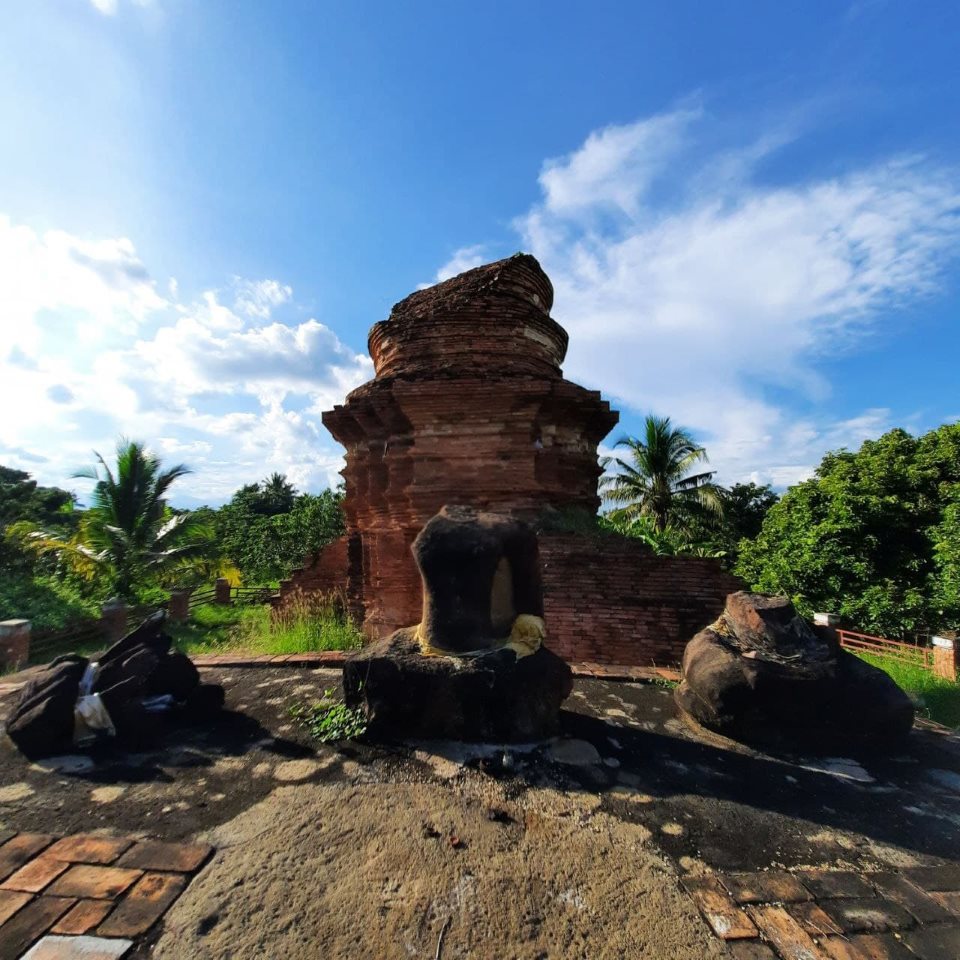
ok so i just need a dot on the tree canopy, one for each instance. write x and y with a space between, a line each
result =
873 536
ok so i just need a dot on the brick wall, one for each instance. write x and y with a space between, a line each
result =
606 599
613 601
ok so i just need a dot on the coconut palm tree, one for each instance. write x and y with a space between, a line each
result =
129 535
655 482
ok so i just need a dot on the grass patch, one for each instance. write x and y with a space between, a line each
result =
308 623
937 699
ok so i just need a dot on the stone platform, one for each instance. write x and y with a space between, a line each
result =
494 698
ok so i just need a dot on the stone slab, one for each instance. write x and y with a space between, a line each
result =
826 884
866 946
84 848
94 883
940 942
790 939
35 875
78 948
867 916
725 918
82 917
750 950
812 918
19 849
900 890
140 909
945 877
154 855
770 886
30 923
10 902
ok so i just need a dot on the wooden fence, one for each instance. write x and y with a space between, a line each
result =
913 654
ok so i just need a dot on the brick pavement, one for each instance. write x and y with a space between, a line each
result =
833 914
87 895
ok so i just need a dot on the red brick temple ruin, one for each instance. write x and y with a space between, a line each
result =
469 406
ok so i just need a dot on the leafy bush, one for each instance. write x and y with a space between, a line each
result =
48 603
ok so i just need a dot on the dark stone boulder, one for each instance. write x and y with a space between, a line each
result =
496 697
761 673
135 682
474 667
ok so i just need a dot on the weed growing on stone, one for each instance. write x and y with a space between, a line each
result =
330 719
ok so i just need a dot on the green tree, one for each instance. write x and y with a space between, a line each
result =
130 537
871 536
655 481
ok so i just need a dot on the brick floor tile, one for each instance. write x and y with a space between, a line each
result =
726 919
10 902
750 950
143 905
770 886
826 884
19 849
934 878
812 918
154 855
94 883
37 874
790 939
89 849
30 923
867 916
82 917
949 900
939 942
866 946
6 835
900 890
78 948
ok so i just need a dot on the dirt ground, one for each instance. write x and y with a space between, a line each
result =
568 849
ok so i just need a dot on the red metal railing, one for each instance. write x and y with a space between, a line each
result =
879 646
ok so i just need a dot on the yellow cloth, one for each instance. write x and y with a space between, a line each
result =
526 637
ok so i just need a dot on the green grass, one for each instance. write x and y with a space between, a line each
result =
308 624
937 699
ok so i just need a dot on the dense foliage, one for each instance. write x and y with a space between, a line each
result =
266 530
874 536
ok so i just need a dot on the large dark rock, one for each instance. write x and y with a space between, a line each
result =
496 697
480 571
761 673
474 667
137 681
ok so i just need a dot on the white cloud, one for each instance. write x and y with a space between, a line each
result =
696 307
466 258
90 350
109 7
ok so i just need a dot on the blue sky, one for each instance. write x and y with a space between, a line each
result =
750 213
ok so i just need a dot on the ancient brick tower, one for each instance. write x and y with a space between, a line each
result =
468 406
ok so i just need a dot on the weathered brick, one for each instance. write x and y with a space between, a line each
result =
769 886
10 902
93 882
949 900
30 923
900 890
866 946
790 939
937 942
811 917
140 909
826 884
154 855
867 916
35 875
945 877
84 848
82 917
726 919
750 950
19 849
